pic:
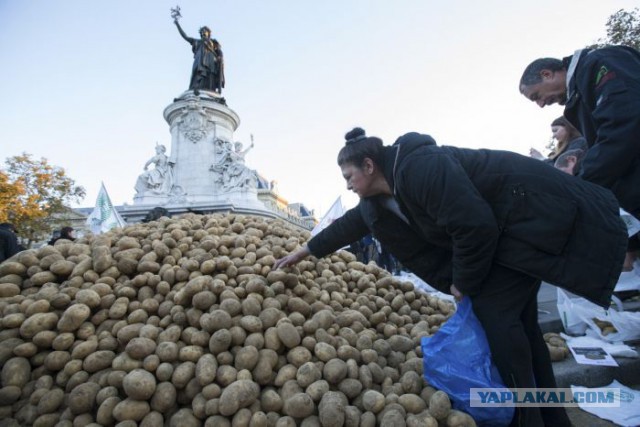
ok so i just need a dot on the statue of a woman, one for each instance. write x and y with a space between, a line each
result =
207 72
231 171
158 180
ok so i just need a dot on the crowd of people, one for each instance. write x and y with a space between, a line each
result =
490 225
600 89
369 249
10 245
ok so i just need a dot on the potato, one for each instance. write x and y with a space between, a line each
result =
51 401
373 401
16 372
82 398
9 395
164 397
8 290
334 371
439 405
288 334
246 358
325 352
206 368
423 419
332 409
139 384
300 405
393 417
237 395
556 353
183 373
37 323
271 401
298 356
307 374
129 409
412 403
459 419
73 317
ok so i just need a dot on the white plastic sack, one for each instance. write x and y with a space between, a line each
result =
633 225
568 310
577 315
626 323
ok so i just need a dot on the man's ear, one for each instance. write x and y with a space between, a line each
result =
546 74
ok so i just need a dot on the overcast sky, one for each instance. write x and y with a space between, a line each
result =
84 83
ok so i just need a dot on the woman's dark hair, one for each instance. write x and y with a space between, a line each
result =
358 146
571 130
65 233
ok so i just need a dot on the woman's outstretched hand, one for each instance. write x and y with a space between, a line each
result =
292 258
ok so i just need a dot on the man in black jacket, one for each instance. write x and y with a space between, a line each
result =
8 241
600 89
486 224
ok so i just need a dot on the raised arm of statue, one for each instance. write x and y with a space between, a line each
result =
182 33
244 152
239 153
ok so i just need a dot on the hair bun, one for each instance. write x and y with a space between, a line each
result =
355 134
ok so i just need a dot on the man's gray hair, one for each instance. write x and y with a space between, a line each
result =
531 75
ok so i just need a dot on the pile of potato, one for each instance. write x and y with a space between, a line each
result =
183 322
557 346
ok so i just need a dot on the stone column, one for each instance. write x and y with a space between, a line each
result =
196 122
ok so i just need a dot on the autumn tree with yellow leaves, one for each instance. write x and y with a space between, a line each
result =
33 194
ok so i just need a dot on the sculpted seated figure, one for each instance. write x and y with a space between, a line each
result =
158 180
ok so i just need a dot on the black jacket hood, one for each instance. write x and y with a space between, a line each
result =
400 150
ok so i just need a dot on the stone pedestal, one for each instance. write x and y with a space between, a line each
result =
202 129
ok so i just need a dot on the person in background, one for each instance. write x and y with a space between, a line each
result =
385 259
487 225
567 138
600 91
368 249
8 241
356 249
66 233
569 161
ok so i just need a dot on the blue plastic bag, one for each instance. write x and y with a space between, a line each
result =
457 358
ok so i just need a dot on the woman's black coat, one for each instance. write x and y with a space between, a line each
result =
470 208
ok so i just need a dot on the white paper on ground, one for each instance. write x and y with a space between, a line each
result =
627 415
614 349
592 356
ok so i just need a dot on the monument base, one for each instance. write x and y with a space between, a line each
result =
136 213
205 171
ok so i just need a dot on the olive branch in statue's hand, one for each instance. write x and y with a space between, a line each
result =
175 13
